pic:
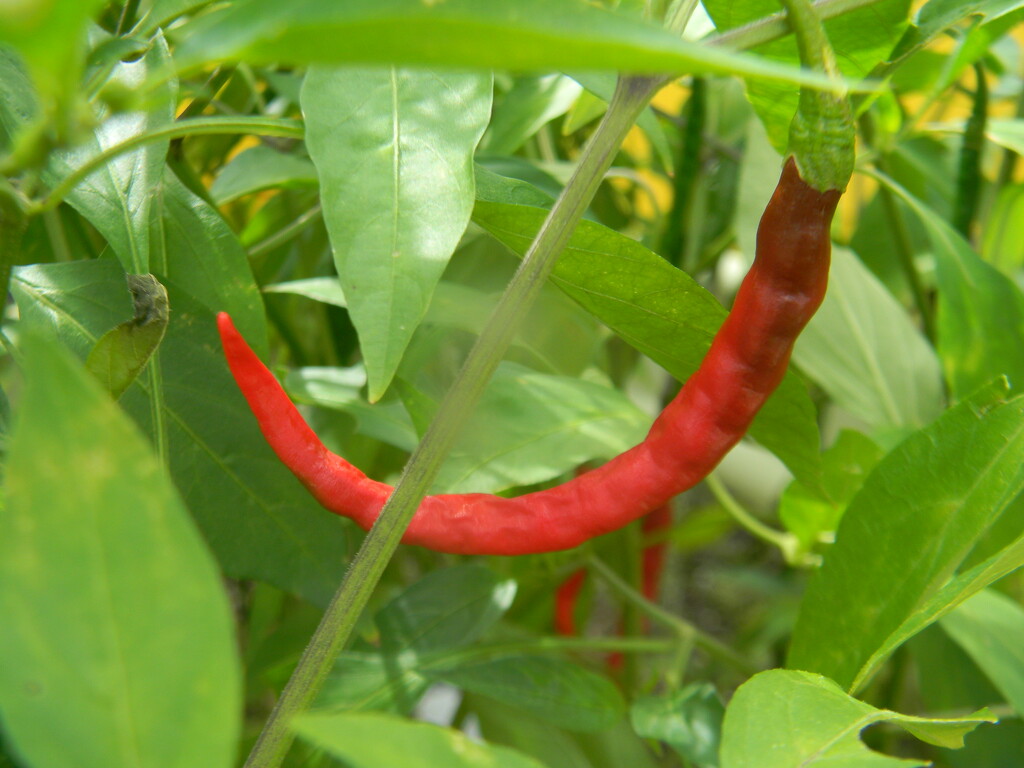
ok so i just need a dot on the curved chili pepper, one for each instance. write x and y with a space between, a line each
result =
746 362
712 411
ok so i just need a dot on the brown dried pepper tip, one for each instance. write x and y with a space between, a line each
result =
712 411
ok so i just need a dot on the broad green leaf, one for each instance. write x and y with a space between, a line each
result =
117 639
788 719
990 628
864 351
956 591
50 36
260 522
531 103
962 687
808 513
193 247
396 181
862 38
342 389
17 98
916 518
936 16
559 692
258 169
1008 133
528 35
535 426
980 312
365 682
116 198
1003 239
557 336
371 740
688 720
551 746
122 352
162 12
655 307
449 608
326 290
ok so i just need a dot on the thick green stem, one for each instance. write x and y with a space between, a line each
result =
127 20
904 246
687 174
821 136
969 180
631 96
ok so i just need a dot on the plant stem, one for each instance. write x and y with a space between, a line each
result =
904 246
631 96
969 178
286 233
127 20
786 542
263 126
684 629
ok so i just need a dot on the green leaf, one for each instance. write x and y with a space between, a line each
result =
502 724
862 38
652 305
396 180
161 12
1008 133
812 516
260 522
122 352
50 36
913 522
116 198
1004 231
955 592
18 105
962 687
782 719
196 249
559 692
980 312
936 16
688 720
602 85
531 103
864 351
557 336
258 169
989 627
450 608
364 682
537 427
529 35
341 389
117 639
371 740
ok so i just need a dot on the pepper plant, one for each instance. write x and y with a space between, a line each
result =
482 245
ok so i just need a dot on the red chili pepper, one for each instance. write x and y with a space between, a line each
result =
712 411
652 563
